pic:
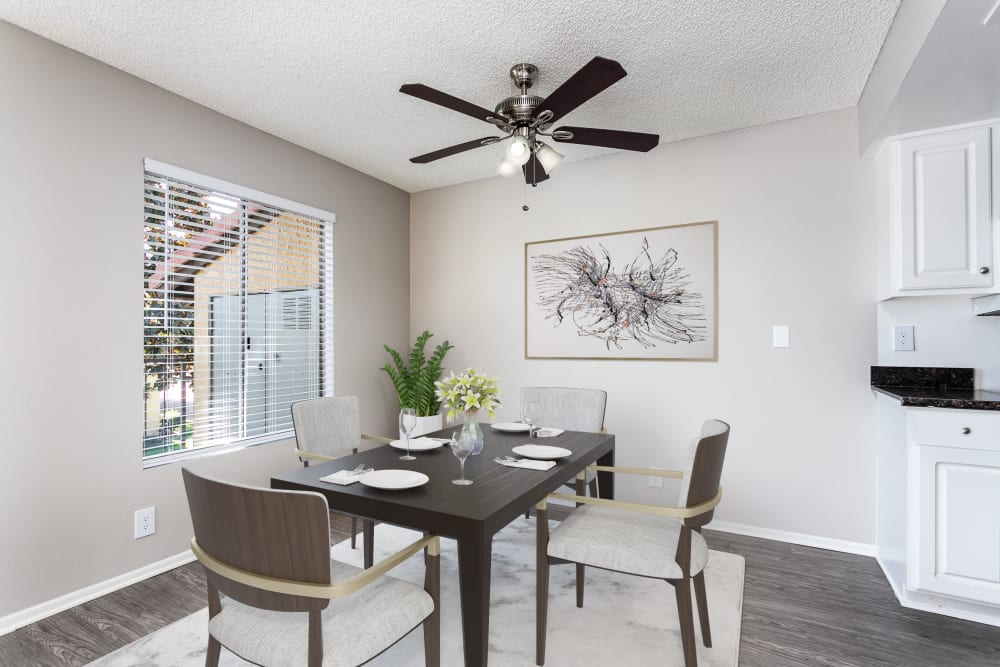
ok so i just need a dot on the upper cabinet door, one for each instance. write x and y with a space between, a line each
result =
944 210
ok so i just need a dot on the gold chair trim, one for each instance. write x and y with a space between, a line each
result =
331 591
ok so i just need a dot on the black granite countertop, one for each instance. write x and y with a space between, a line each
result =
923 387
956 399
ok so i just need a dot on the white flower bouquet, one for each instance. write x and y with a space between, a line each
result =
468 393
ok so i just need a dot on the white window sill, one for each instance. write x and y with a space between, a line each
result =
213 450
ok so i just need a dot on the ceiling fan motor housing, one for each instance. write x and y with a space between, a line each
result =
519 109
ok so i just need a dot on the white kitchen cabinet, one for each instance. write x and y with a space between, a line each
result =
942 224
953 518
938 508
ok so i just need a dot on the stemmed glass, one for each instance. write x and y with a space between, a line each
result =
407 422
462 444
530 415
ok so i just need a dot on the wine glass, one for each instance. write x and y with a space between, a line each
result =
462 444
407 422
530 415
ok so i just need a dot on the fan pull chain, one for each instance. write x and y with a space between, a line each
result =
525 206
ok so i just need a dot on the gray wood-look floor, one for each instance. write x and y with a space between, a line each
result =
801 606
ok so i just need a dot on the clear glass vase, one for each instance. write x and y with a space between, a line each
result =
471 425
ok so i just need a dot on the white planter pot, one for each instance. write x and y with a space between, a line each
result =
425 425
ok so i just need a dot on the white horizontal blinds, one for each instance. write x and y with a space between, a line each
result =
237 298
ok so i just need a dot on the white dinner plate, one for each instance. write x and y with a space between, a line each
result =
418 444
511 427
394 479
541 452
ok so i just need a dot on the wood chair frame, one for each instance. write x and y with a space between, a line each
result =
285 594
704 495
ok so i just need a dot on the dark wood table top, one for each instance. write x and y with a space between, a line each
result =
498 494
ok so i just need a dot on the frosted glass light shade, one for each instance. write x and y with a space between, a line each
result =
518 151
548 156
506 168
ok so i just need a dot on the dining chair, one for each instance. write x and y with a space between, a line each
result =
268 553
644 540
572 409
326 429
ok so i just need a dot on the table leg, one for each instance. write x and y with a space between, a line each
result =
474 562
606 480
368 527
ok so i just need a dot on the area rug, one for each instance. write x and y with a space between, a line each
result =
625 620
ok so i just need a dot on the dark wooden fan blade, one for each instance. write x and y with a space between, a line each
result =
448 101
630 141
534 172
595 76
451 150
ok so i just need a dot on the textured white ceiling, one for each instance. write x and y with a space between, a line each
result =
325 75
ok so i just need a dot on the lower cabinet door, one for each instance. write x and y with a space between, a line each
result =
955 530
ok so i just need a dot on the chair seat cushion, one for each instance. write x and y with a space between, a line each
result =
625 541
355 628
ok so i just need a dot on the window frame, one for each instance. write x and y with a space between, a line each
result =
326 356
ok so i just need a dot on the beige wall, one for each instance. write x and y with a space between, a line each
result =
796 211
73 134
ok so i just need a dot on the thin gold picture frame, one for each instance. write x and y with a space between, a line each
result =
714 291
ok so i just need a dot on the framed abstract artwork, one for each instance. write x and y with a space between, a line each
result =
644 294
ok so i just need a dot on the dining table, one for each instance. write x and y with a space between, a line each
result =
471 514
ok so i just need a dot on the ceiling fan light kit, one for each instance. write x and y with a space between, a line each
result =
525 118
506 168
518 150
548 156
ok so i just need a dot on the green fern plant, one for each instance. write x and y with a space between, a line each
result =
414 378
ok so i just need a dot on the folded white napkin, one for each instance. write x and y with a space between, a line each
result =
530 464
549 432
342 477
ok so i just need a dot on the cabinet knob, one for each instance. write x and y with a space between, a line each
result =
984 270
966 430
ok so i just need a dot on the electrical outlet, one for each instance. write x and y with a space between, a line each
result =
656 482
145 522
902 338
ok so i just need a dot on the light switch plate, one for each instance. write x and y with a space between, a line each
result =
780 336
902 338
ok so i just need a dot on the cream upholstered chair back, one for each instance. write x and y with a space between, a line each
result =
569 408
330 426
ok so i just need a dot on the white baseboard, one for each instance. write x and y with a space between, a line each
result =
940 604
893 584
964 612
806 540
30 615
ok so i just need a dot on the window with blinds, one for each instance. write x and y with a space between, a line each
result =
237 312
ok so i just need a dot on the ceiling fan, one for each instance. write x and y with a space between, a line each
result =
525 118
